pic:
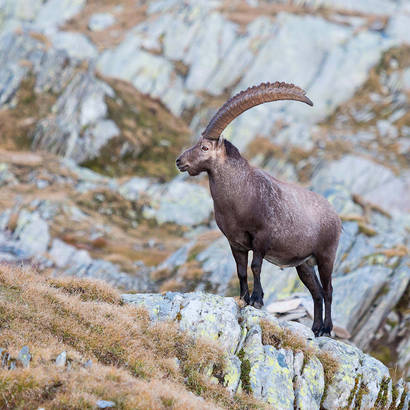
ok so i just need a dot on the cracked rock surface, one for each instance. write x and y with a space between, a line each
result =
282 376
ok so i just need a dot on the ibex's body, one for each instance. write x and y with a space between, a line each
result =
280 222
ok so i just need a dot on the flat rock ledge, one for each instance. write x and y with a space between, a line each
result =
299 371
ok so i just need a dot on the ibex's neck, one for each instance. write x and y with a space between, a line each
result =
227 178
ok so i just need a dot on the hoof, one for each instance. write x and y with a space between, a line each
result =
257 305
322 331
246 298
256 302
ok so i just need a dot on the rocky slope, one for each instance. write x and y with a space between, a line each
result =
108 94
283 363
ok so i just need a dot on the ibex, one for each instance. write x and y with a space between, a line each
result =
281 222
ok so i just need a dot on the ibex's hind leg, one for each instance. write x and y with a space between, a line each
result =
241 259
325 266
257 294
308 276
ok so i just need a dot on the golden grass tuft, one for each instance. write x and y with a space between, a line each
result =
87 289
136 364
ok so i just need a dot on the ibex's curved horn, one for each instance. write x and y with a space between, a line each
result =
265 92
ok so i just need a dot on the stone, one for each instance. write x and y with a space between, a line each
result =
218 264
19 10
355 292
76 45
396 287
309 384
32 233
397 28
178 258
372 181
81 105
10 79
100 21
61 359
55 12
105 404
6 176
64 255
133 188
279 376
24 356
179 202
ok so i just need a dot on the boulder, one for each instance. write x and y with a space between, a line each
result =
296 371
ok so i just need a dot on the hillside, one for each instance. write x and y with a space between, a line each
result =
112 353
76 343
97 99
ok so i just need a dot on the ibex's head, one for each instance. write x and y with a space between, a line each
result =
210 147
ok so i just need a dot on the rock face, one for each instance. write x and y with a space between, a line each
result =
285 375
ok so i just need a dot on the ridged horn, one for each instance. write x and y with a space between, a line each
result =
253 96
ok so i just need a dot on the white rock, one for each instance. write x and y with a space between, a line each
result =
76 45
32 233
100 21
180 202
56 12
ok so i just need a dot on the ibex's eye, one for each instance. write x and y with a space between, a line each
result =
204 148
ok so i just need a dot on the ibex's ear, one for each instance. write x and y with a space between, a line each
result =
220 141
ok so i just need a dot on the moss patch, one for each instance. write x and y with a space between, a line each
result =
381 400
151 137
245 372
17 124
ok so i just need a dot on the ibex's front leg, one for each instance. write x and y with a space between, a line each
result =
241 259
257 294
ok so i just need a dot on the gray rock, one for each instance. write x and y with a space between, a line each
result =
88 364
32 233
76 45
372 181
309 383
6 176
64 255
384 304
355 292
397 28
352 363
100 21
105 404
55 12
10 79
178 258
133 188
179 202
81 104
24 356
19 10
278 376
61 359
218 264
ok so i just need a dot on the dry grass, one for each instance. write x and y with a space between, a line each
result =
88 290
285 338
136 364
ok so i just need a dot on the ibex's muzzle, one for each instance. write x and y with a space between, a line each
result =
180 165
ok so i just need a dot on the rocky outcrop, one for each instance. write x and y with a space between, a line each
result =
281 363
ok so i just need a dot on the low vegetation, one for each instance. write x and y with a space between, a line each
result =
135 364
284 338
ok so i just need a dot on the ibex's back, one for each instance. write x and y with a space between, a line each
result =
281 222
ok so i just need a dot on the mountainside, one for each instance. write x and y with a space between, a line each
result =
97 99
75 343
